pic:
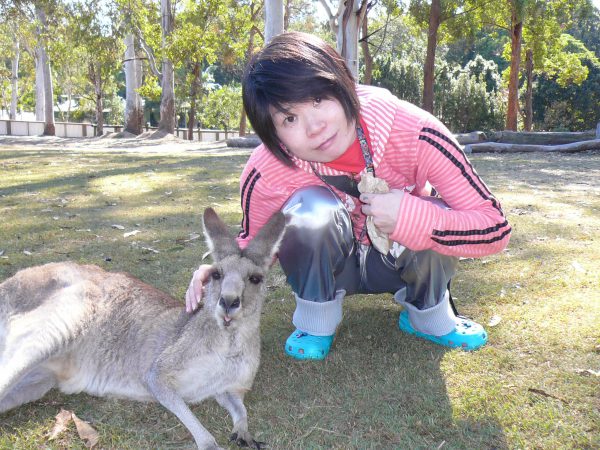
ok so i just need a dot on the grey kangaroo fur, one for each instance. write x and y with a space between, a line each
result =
82 329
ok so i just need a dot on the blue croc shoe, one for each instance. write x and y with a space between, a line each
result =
467 335
301 345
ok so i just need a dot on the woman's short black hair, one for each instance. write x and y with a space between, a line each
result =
294 68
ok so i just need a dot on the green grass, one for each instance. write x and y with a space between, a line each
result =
379 389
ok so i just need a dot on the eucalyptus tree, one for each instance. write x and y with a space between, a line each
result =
274 18
248 13
201 36
446 21
134 109
166 123
548 50
152 23
37 19
346 23
95 34
10 47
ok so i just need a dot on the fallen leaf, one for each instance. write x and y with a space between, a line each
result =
118 227
578 267
131 233
86 432
588 372
150 249
61 423
494 320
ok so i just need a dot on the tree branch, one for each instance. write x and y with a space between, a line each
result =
149 53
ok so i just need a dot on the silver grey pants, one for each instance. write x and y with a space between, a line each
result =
320 257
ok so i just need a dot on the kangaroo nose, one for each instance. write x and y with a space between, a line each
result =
229 303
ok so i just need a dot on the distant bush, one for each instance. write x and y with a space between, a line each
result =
403 78
466 99
222 108
470 98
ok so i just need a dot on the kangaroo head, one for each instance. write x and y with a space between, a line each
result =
236 287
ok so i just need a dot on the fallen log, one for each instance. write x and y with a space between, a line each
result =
470 138
541 137
497 147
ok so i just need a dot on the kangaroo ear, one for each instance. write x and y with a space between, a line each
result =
263 247
219 240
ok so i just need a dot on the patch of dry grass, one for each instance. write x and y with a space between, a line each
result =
532 386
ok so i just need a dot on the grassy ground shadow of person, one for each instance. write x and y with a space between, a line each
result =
378 388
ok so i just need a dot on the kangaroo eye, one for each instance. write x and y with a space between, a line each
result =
215 275
255 279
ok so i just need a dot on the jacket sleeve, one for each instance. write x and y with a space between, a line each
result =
259 200
473 225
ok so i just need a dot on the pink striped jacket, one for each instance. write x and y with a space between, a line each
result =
410 147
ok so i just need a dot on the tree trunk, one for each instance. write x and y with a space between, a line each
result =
15 81
287 14
273 19
243 117
134 111
194 89
368 58
429 69
529 91
513 83
49 129
347 36
167 100
39 84
95 75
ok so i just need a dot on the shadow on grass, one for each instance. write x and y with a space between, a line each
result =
378 388
141 165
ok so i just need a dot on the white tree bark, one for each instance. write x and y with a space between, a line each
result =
39 84
49 128
347 34
346 24
134 113
15 81
167 101
273 19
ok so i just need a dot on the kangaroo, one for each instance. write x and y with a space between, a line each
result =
82 329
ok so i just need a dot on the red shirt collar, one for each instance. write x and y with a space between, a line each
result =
352 159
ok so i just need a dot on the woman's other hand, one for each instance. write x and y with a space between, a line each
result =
193 296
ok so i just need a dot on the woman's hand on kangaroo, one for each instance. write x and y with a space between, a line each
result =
193 296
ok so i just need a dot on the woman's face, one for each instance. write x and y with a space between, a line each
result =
314 130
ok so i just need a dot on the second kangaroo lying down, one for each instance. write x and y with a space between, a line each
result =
82 329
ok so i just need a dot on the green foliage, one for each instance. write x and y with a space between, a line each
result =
222 108
567 65
470 99
567 108
466 99
401 77
116 109
150 88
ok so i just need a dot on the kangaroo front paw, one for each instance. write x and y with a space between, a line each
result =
247 441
